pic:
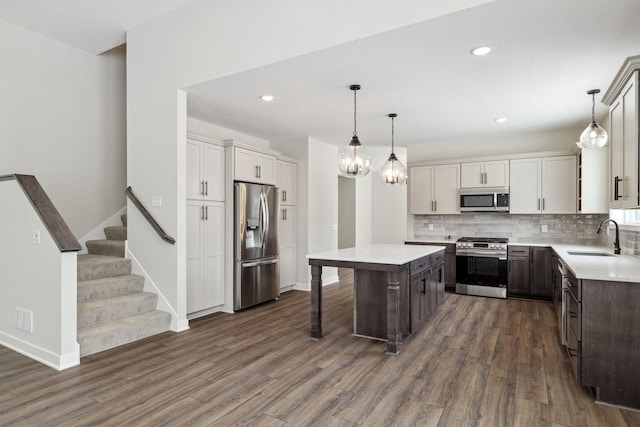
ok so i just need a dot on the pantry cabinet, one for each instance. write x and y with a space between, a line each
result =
484 174
287 246
544 185
205 255
285 175
434 189
624 119
205 171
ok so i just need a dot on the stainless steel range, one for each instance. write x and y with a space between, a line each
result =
481 266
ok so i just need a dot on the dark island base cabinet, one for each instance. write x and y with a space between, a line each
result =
449 261
421 292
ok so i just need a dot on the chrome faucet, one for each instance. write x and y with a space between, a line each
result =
616 244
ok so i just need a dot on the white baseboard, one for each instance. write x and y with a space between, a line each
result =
326 281
42 355
98 232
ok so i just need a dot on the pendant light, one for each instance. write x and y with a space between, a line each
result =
354 159
393 171
593 136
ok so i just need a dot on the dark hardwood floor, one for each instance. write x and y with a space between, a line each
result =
478 362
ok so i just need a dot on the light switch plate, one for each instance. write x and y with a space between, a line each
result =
35 237
430 227
544 228
156 201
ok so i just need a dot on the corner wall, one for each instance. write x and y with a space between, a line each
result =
63 120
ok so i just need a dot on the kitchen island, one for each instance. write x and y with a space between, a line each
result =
395 288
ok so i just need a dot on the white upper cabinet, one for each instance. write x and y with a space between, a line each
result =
593 173
624 138
484 174
543 185
434 189
286 173
205 171
253 166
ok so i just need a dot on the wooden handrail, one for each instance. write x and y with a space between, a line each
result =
44 207
145 213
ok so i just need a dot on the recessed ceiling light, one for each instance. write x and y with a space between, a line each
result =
267 98
480 51
500 119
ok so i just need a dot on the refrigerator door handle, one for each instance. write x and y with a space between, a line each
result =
263 219
257 263
266 218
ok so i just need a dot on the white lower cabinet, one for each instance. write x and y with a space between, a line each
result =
544 185
205 255
287 246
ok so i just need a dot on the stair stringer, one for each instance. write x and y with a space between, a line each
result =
177 324
98 232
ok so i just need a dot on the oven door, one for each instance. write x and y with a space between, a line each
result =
481 275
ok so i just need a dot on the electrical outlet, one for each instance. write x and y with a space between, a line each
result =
35 237
544 228
430 227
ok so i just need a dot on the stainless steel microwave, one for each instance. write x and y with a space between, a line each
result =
486 199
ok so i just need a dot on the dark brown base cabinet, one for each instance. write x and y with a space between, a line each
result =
529 271
604 339
419 297
449 261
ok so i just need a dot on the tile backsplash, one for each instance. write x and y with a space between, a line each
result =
574 228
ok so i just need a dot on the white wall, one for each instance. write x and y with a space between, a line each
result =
322 203
63 120
346 212
482 147
209 39
388 202
38 278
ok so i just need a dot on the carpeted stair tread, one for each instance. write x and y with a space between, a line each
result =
112 334
106 247
109 287
110 309
91 266
116 233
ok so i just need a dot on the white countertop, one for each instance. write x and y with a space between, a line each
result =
379 253
431 241
616 268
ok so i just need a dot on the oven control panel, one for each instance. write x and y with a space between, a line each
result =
482 245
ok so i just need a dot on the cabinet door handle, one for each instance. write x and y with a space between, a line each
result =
424 286
202 213
543 204
435 204
206 213
257 172
538 204
284 214
509 266
206 188
616 188
284 195
202 188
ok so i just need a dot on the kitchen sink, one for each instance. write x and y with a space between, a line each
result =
586 253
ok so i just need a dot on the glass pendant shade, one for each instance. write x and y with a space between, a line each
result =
393 171
593 136
354 160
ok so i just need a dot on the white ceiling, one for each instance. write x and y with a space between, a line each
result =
547 54
94 26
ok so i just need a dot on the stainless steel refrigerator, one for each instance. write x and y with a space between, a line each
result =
257 273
